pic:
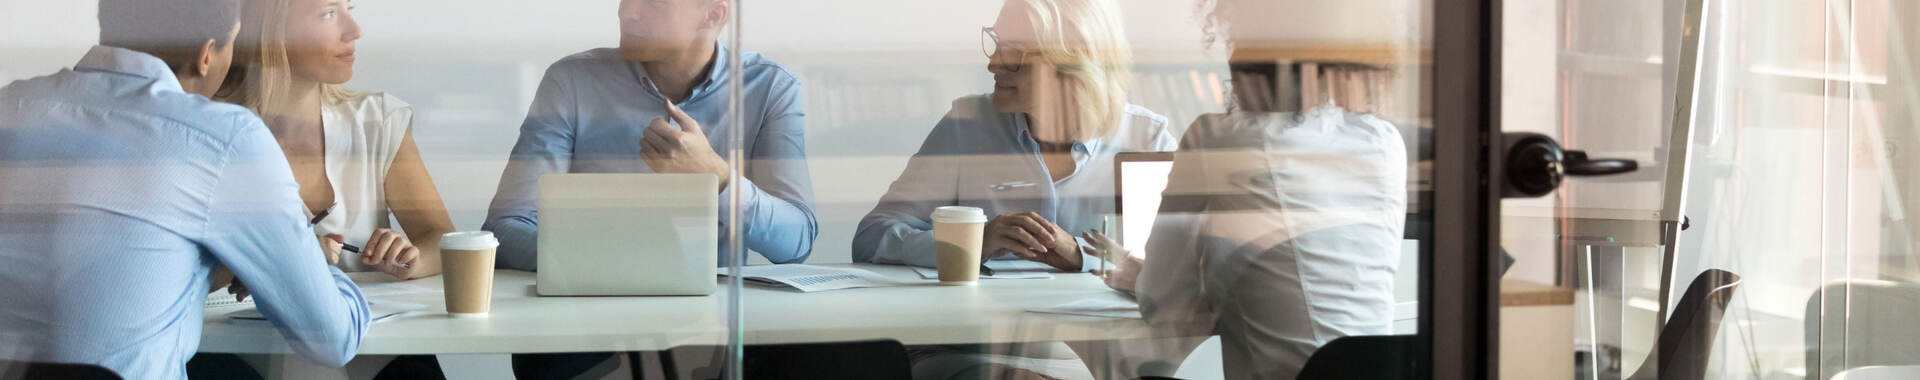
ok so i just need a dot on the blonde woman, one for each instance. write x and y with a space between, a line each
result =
1037 153
353 153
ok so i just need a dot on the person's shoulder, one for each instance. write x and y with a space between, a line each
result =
1352 123
381 114
1142 124
220 119
755 65
589 60
1215 129
374 103
972 107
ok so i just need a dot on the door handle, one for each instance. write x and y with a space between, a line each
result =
1536 164
1577 164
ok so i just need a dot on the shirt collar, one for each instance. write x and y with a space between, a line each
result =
1080 148
716 75
128 62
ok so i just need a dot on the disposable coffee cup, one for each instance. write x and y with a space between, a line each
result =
957 235
466 260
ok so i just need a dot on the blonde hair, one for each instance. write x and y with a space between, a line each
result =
262 73
1087 44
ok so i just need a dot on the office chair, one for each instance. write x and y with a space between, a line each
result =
872 359
1866 323
1362 357
1879 373
1682 350
14 370
1382 357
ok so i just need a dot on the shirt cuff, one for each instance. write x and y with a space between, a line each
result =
747 200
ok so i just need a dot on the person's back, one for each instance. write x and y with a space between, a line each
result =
1283 230
96 167
121 191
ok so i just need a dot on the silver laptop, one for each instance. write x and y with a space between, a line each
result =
628 234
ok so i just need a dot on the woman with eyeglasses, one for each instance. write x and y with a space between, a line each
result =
1036 154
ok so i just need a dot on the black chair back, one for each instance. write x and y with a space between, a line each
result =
1685 344
14 370
873 359
1362 358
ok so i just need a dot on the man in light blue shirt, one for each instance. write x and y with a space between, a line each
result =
592 113
122 187
658 104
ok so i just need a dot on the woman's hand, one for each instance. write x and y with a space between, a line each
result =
1031 237
391 252
330 247
1025 234
1126 265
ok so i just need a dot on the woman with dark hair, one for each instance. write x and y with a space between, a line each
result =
1279 230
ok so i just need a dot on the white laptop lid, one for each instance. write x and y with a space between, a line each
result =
628 234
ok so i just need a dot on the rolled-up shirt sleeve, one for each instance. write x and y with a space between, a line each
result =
897 231
777 193
545 147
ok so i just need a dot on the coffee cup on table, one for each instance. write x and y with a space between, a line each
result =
957 236
467 272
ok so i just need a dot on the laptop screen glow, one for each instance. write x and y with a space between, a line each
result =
1140 188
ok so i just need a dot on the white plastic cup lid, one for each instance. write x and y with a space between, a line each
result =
959 214
468 241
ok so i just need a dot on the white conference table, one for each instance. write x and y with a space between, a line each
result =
994 311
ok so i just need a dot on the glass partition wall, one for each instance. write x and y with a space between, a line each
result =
1794 189
1074 189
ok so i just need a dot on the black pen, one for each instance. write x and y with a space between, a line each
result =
985 270
356 251
343 245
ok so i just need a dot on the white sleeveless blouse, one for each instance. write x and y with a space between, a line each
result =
362 137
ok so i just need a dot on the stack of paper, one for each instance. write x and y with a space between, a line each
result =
1097 307
1002 270
810 278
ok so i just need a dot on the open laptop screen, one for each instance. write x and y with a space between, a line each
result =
1139 178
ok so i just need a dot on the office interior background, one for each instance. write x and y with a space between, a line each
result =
1802 168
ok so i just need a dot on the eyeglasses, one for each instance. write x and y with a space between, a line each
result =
990 44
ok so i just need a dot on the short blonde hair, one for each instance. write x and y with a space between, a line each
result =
1087 44
262 73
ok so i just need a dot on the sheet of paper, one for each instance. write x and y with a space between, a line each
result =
930 274
220 299
380 311
376 284
1018 266
810 278
1096 307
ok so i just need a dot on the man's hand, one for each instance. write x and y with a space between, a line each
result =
683 149
386 250
220 279
239 291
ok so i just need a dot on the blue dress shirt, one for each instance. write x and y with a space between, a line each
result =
119 193
588 115
978 156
